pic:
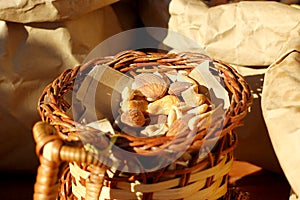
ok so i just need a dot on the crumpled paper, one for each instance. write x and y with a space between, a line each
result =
27 11
248 33
281 111
33 54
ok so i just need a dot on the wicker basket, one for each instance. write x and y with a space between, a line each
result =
68 171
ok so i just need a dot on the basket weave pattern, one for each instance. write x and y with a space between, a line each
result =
85 177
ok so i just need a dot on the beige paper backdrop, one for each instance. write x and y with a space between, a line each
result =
27 11
248 33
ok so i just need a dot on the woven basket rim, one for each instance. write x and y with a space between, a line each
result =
52 107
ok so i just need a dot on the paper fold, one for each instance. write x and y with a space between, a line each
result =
281 111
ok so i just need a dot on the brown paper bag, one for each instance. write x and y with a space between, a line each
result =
49 37
248 33
281 111
27 11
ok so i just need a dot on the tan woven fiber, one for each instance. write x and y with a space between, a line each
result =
163 190
68 171
51 161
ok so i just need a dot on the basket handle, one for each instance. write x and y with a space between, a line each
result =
52 153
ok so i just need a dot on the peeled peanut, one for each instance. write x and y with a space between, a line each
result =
163 105
141 105
133 117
